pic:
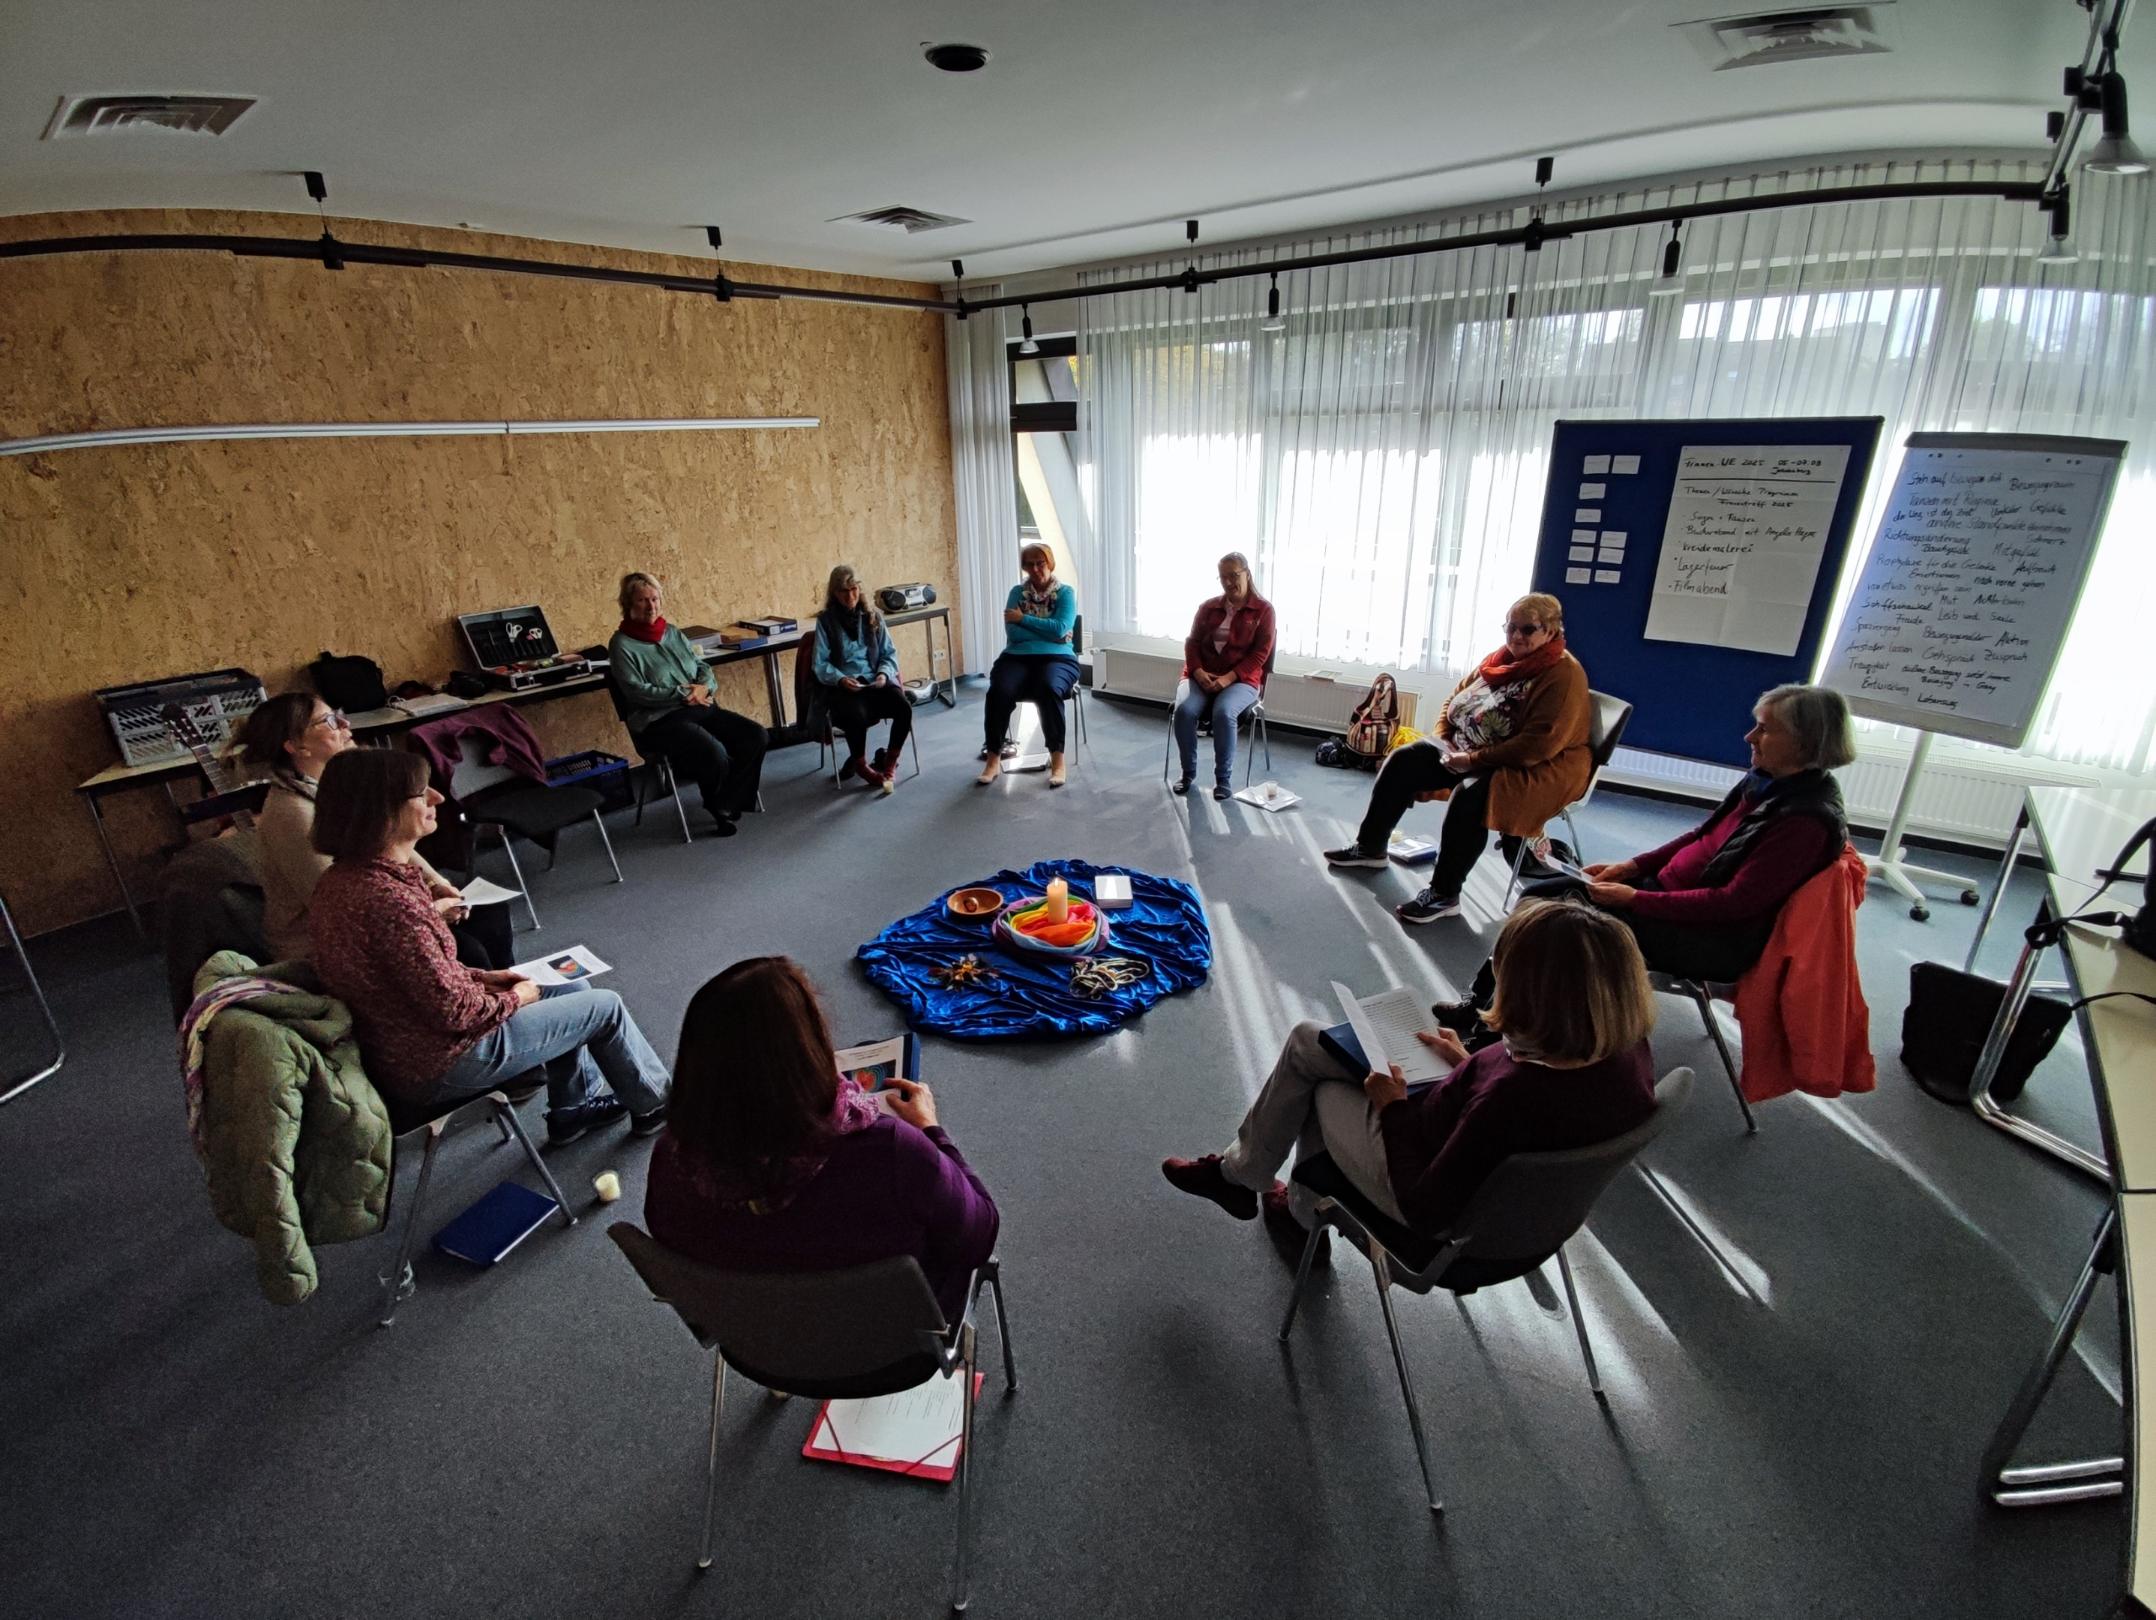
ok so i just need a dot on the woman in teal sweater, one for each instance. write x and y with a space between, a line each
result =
1037 665
857 667
671 706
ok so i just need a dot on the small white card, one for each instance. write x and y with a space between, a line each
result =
1610 554
1595 464
1593 492
1588 514
1624 464
1613 537
1583 537
1605 576
1578 576
480 892
1582 554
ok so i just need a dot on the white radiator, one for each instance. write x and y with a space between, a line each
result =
1297 694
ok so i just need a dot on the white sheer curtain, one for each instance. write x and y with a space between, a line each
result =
1382 460
981 477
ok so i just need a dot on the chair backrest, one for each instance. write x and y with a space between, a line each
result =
1612 715
473 774
1532 1202
803 1331
1077 634
613 696
812 704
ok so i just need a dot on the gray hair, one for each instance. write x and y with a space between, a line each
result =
630 582
1819 718
1240 561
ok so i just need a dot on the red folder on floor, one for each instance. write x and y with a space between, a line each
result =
914 1432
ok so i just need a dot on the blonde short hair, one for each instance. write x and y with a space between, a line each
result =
1046 551
1545 609
630 582
1571 984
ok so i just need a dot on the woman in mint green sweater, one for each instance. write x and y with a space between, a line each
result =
1037 665
671 706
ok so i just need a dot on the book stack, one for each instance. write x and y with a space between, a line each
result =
748 632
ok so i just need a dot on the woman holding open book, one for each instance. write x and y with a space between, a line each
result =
1570 1068
774 1162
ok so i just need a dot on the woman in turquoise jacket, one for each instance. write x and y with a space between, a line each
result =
857 667
671 705
1037 665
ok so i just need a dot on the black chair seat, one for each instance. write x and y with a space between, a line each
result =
1404 1244
910 1373
536 813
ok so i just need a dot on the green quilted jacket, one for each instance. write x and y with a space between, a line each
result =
299 1141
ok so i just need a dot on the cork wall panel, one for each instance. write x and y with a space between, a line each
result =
124 564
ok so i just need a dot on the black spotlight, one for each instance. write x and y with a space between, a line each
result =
956 58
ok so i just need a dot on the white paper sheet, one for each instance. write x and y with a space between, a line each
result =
1595 464
1624 464
571 966
1593 492
1613 537
1269 796
1605 576
1583 537
1385 1024
1578 576
918 1425
481 892
1581 554
1740 554
1588 514
1610 554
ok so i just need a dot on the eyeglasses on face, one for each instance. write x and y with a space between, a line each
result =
333 718
1521 627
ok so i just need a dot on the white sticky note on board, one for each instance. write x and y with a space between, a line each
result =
1578 576
1595 464
1624 464
1613 537
1583 554
1587 514
1593 492
1583 537
1605 576
1611 554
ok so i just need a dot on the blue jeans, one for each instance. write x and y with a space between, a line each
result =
1226 708
581 1036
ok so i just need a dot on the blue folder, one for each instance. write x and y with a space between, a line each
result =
495 1225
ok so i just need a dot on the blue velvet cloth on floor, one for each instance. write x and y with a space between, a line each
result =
1164 928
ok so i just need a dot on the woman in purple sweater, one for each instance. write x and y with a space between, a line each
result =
1570 1068
773 1162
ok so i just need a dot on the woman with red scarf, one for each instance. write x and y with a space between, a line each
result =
773 1161
671 706
1510 750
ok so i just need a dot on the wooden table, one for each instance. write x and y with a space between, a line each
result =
380 724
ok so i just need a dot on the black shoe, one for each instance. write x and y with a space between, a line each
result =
650 1124
1428 906
1355 855
723 828
881 762
1220 792
1463 1018
565 1125
1181 787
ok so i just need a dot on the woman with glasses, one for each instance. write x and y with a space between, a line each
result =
1037 665
857 667
293 736
1509 750
1224 659
670 703
431 1029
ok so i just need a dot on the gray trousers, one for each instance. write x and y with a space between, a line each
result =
1312 1104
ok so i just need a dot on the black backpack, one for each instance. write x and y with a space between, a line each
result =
349 682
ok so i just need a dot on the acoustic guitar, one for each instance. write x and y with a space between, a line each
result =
229 797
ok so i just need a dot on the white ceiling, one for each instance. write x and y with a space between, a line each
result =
1095 130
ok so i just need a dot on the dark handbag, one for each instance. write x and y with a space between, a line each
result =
1950 1012
349 682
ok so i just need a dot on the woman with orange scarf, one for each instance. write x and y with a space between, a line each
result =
1510 750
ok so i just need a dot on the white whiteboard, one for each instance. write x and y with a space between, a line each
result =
1964 599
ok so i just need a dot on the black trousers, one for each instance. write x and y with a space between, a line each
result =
1042 681
1714 953
483 938
720 751
1416 769
852 713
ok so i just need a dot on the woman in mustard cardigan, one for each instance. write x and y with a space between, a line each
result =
1510 751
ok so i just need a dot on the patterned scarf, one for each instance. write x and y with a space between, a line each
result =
1040 604
194 1032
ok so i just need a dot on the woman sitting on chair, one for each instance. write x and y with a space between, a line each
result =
294 735
1224 659
1570 1068
774 1162
1510 750
671 705
431 1030
1037 665
857 667
1703 905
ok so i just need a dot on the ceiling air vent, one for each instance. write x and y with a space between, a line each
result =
1806 35
172 115
912 221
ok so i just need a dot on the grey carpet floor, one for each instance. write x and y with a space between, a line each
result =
529 1440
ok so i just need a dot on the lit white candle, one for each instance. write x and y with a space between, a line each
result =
1059 900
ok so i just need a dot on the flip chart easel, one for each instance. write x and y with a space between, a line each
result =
1963 601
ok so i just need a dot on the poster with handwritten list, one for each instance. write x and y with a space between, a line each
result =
1740 552
1965 597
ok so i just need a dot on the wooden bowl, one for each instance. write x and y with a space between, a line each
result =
975 905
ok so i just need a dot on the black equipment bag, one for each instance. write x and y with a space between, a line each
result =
1950 1012
349 682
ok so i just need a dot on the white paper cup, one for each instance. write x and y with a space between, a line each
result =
607 1185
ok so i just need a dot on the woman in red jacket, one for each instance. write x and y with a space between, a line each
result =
1231 642
1570 1068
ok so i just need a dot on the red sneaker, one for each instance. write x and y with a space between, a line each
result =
854 767
1203 1178
1289 1235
